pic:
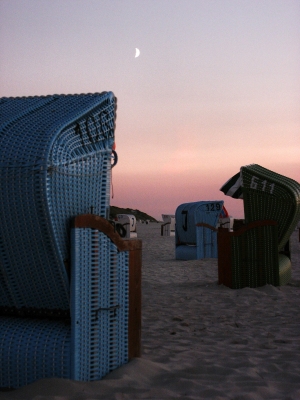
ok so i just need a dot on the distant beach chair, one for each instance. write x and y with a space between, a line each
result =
128 222
196 230
258 253
226 223
168 225
69 285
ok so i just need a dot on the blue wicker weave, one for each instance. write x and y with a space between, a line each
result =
206 217
100 294
54 164
195 231
32 349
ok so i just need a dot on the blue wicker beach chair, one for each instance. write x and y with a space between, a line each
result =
257 253
196 230
64 285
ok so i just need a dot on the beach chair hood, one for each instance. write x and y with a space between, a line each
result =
54 164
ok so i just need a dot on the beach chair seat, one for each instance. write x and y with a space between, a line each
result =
168 225
196 230
256 254
64 289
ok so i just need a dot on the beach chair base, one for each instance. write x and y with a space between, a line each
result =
186 252
249 257
33 349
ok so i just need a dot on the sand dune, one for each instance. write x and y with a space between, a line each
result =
199 340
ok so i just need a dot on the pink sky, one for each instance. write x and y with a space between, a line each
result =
216 86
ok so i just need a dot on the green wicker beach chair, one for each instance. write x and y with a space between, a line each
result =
257 254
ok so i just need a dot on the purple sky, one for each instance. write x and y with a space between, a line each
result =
216 86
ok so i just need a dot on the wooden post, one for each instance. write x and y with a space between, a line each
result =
135 302
224 258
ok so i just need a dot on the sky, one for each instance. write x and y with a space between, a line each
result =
216 86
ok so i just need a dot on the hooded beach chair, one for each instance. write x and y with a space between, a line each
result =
196 230
65 301
257 253
128 222
168 226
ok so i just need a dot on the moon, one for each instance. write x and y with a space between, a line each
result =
137 53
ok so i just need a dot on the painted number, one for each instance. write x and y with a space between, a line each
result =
265 185
213 207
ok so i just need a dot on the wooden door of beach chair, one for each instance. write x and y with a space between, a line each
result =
55 163
267 196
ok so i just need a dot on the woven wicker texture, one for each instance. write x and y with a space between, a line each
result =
54 164
207 214
192 241
268 195
255 257
99 305
32 349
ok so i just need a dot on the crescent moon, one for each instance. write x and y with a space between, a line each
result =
137 53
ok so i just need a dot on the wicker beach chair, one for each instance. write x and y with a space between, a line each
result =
128 222
196 230
168 226
257 254
64 283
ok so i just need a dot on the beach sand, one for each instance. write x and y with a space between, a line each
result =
199 340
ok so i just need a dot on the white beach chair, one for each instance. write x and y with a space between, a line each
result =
168 226
128 221
226 222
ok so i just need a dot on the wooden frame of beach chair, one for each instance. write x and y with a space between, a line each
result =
55 163
270 200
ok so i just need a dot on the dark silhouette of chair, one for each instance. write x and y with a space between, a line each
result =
257 254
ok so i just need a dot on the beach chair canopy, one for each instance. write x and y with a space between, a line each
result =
267 195
54 164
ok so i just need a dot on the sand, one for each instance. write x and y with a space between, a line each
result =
199 340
